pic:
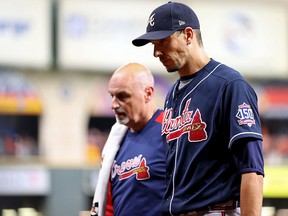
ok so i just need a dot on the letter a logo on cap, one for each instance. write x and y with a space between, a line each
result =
151 20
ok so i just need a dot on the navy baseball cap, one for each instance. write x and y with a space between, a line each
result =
167 19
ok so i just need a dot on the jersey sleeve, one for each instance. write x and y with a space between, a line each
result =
241 115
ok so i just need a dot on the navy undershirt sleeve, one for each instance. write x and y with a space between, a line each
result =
248 156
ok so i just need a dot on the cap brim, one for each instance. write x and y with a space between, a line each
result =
149 36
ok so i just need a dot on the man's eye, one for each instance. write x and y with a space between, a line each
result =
123 97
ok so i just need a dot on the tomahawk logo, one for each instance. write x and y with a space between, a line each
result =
188 122
136 166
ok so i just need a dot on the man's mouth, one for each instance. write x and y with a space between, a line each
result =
120 114
164 61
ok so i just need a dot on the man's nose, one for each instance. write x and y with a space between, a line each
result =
114 104
156 52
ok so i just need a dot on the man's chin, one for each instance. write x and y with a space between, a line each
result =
171 70
123 121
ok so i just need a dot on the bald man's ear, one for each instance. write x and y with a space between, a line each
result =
149 93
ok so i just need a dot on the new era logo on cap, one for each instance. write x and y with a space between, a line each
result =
181 22
167 19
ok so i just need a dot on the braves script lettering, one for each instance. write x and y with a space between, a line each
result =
186 123
134 166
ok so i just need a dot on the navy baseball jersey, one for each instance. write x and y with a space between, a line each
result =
138 173
213 134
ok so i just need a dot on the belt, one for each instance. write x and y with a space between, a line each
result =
219 207
229 205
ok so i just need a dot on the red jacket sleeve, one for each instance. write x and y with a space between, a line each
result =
109 206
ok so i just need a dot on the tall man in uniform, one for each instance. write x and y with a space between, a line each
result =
211 123
132 177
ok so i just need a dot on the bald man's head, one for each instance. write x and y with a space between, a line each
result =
132 89
134 74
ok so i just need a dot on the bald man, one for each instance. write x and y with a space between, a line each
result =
136 181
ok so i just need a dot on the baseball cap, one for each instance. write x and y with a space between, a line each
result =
167 19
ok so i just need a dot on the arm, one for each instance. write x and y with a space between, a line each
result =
249 160
251 194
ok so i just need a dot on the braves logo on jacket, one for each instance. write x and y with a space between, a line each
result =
134 166
188 122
